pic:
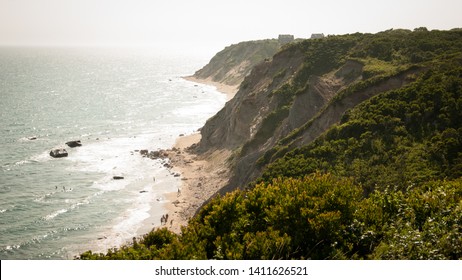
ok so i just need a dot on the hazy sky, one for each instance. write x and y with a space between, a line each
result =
198 23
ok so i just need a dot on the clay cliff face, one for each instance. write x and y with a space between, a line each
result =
239 120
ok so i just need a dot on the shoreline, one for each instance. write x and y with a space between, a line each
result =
201 175
201 178
228 90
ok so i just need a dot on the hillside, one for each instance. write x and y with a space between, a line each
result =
231 65
346 147
289 101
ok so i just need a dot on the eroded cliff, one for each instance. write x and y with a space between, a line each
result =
291 99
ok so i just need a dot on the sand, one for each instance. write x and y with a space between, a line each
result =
201 175
229 90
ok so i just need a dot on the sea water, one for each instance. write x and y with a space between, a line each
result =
115 101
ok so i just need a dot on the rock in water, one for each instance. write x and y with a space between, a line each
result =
73 144
58 153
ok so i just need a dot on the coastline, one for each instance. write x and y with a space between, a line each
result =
229 90
201 175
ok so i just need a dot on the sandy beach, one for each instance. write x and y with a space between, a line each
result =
229 90
201 175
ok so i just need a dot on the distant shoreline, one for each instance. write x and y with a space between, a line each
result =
229 90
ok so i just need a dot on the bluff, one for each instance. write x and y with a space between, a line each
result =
288 101
231 65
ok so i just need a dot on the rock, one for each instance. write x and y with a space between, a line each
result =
154 155
58 153
32 138
143 191
144 152
73 144
118 177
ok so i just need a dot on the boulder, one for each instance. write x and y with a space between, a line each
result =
73 144
58 153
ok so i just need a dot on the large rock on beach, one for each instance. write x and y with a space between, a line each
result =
58 153
73 144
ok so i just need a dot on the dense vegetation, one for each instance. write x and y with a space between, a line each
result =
411 135
382 54
315 217
384 183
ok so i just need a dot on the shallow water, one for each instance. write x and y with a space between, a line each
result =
115 101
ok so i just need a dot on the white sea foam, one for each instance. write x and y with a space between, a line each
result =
65 210
147 206
55 214
12 247
42 157
21 162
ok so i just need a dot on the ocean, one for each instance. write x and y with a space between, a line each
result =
116 102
